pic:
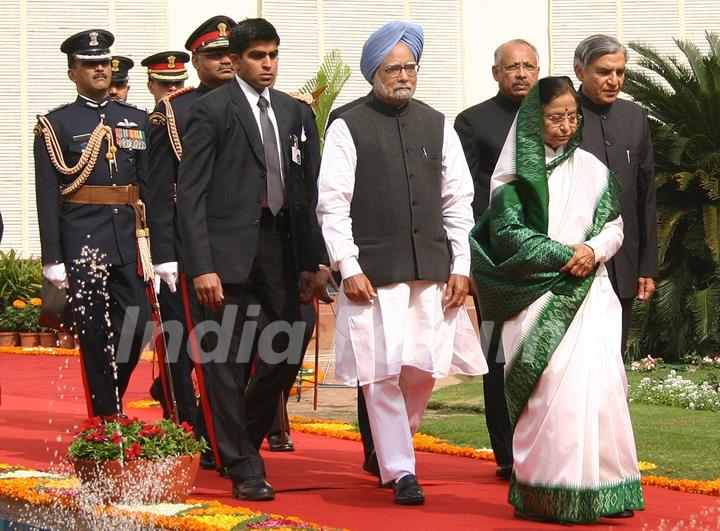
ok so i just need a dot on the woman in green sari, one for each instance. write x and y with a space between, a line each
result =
539 256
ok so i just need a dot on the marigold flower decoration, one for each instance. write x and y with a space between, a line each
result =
35 301
19 304
121 438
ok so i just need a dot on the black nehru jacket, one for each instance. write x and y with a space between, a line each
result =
483 129
398 174
618 134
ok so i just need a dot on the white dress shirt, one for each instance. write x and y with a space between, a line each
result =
253 97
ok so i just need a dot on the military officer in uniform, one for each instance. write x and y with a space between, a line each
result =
90 170
119 87
209 46
166 73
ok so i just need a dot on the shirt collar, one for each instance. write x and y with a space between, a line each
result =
251 94
84 101
507 103
590 104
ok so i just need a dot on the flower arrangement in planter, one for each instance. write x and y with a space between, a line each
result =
9 317
28 321
130 460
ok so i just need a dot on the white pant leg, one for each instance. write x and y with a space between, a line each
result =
390 428
416 386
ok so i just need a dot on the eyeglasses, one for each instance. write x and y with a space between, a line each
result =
514 67
394 69
558 118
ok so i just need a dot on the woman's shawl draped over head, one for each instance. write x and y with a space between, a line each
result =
514 262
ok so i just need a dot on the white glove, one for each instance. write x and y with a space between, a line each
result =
168 272
56 274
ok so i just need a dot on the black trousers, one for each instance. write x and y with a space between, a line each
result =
181 365
242 413
281 422
497 418
364 425
625 302
99 325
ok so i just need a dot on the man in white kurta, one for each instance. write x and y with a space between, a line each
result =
394 204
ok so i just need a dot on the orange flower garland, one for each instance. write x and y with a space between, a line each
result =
194 515
711 488
56 351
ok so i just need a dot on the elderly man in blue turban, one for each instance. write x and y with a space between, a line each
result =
394 204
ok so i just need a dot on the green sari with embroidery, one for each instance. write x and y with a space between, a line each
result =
565 384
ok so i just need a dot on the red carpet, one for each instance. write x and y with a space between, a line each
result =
322 481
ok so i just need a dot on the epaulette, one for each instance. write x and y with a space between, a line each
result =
132 106
126 104
157 118
59 107
177 93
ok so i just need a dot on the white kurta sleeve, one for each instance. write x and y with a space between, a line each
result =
336 183
608 241
457 196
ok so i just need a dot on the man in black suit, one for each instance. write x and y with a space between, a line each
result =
482 129
209 46
616 131
246 210
88 217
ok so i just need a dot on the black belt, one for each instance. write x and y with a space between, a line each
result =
281 220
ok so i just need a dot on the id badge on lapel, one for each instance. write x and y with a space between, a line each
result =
296 154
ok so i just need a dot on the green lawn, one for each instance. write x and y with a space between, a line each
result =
682 443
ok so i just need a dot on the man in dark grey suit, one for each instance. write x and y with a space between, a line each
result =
246 197
616 131
482 129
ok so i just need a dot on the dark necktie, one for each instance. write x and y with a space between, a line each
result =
272 159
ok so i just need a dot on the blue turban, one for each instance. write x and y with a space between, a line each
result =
381 43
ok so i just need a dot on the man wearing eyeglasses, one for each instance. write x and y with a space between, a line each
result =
395 209
616 131
482 129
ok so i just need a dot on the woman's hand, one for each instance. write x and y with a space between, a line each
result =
582 262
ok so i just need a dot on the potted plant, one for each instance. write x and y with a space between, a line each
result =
130 460
20 278
8 326
28 321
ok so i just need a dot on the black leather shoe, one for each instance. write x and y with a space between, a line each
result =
157 394
207 461
254 489
504 471
276 443
627 513
224 472
532 517
371 465
408 491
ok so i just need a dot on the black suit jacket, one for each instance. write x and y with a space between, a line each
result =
65 228
618 135
222 183
483 129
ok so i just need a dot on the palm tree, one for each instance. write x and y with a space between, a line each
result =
325 87
683 104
